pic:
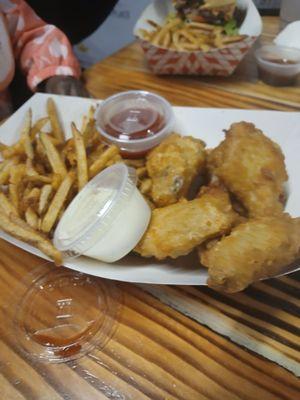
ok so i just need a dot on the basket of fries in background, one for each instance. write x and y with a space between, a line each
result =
197 37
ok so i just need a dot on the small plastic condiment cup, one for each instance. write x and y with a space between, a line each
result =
61 315
106 219
135 121
278 65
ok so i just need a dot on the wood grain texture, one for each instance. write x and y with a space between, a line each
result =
256 319
170 342
155 353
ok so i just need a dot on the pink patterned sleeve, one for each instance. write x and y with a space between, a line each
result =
41 49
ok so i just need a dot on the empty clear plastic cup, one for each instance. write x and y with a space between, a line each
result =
64 315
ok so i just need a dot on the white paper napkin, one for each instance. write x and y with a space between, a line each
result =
290 36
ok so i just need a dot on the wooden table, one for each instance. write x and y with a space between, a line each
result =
185 343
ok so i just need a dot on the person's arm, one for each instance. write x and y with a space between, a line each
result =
42 51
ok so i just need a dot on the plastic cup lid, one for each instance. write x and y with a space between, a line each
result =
268 53
63 314
135 120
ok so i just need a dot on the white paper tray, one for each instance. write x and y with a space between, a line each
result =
205 123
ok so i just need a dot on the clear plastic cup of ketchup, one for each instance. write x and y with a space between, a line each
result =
135 121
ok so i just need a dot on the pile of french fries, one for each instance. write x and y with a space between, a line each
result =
43 172
180 35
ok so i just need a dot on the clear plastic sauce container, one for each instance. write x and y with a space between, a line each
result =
61 315
135 121
106 219
278 65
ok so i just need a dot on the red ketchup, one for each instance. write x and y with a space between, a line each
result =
134 124
277 78
134 121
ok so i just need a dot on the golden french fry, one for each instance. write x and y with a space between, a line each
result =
5 169
31 218
95 154
14 195
95 138
46 192
146 35
117 158
56 181
91 113
19 229
84 123
232 39
61 213
53 155
31 198
88 123
39 179
27 190
203 46
176 41
188 35
69 152
39 227
190 46
218 40
30 170
54 120
40 150
57 203
6 206
14 150
25 135
17 173
82 169
37 127
54 140
88 132
166 40
99 164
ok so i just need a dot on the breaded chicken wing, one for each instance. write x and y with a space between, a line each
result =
177 229
252 167
256 249
172 166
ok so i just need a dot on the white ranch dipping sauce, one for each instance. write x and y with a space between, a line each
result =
106 219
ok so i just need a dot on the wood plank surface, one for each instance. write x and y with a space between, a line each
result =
186 343
155 353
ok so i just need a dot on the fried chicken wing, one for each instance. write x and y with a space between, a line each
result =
252 167
256 249
177 229
172 166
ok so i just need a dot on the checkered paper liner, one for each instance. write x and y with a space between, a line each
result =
217 62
